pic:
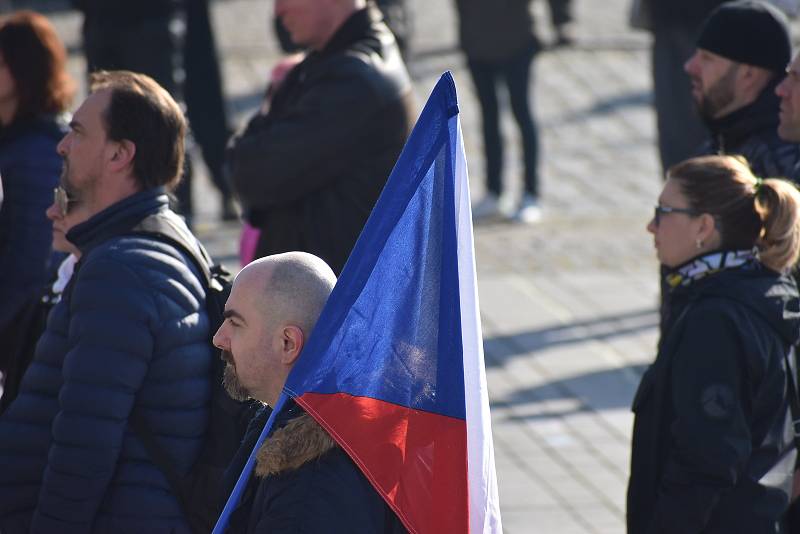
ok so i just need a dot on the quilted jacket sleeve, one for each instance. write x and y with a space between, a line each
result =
25 232
110 346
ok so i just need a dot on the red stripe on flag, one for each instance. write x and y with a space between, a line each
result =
416 460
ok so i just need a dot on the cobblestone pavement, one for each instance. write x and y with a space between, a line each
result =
568 305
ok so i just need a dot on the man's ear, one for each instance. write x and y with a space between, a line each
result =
753 78
293 342
123 154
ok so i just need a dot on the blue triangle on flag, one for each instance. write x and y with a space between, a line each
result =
391 328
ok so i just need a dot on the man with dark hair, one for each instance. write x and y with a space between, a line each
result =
129 338
734 80
310 165
151 124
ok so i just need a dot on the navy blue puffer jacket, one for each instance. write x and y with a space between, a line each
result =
130 333
30 168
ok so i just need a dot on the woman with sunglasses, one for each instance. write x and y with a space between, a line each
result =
713 448
35 90
20 344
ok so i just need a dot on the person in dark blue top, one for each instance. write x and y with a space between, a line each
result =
130 335
35 90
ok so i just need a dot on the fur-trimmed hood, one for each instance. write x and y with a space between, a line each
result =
302 440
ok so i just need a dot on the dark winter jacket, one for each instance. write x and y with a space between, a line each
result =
309 172
304 482
712 443
130 333
752 131
496 30
30 167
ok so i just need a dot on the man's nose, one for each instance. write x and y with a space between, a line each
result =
61 148
689 66
780 90
220 340
53 212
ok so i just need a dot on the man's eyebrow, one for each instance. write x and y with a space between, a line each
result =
227 314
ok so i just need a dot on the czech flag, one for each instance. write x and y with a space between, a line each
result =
394 369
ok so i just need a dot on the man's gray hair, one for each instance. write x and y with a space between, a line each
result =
301 283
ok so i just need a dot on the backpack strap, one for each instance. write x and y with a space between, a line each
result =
161 227
160 458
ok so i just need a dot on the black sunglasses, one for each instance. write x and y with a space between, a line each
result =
666 210
62 199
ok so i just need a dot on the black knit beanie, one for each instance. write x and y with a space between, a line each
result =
748 31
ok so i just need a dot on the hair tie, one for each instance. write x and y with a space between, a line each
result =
757 187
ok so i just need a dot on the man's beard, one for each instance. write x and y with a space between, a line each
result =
230 381
719 96
86 183
66 183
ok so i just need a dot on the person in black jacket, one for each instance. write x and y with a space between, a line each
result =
304 482
734 81
309 167
713 448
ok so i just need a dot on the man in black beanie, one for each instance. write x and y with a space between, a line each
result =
742 51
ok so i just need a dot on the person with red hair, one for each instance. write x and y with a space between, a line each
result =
35 91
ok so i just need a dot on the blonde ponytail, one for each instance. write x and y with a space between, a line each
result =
777 203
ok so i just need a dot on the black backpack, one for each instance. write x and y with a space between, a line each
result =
198 491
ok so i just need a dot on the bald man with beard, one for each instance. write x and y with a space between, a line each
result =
303 481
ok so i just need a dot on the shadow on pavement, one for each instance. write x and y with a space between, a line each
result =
500 348
608 106
593 391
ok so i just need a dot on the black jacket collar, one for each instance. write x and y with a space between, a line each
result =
733 129
353 29
771 295
358 26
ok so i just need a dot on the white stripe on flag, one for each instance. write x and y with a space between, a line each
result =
484 504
